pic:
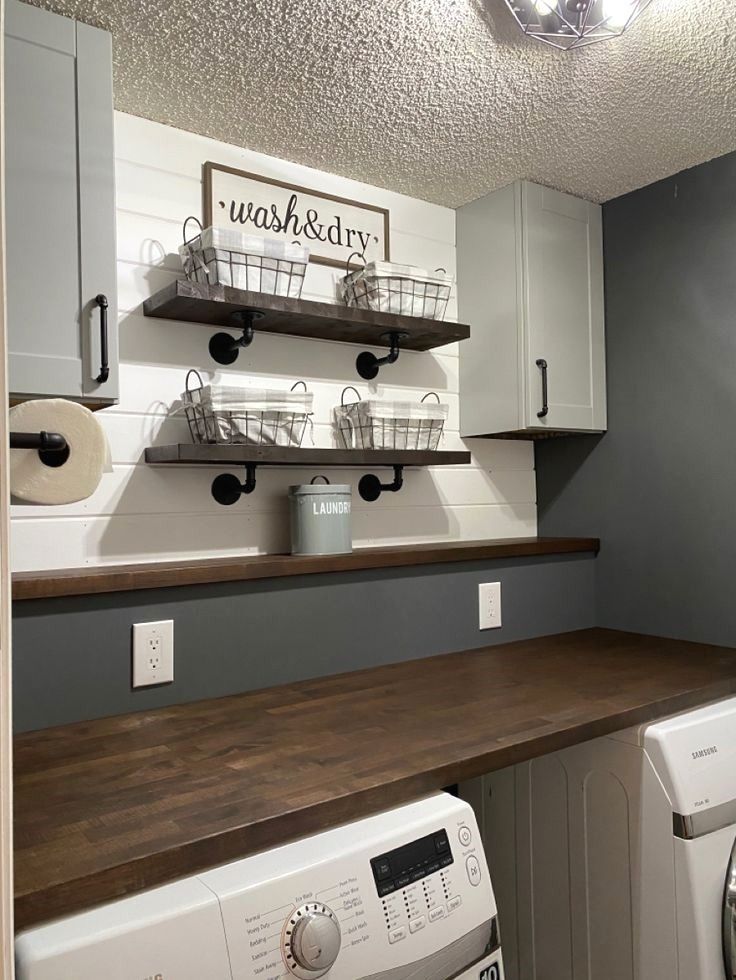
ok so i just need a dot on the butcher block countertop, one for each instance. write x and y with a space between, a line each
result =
108 807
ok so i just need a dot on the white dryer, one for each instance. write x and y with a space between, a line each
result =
614 860
402 895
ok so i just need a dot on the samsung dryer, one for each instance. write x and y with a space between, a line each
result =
614 859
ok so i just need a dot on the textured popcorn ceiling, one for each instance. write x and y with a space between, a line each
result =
441 99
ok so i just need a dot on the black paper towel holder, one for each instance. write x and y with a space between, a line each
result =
52 447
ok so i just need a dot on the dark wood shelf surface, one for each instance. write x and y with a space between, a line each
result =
199 454
109 807
214 306
169 574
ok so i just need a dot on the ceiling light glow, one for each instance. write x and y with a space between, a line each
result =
617 12
574 23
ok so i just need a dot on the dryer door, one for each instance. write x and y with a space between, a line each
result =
729 918
700 867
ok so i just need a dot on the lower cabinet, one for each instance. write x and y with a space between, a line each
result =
60 207
530 282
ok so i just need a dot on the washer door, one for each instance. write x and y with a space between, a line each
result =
729 918
489 968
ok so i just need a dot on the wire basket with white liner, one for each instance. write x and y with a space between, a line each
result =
373 424
389 287
225 415
230 257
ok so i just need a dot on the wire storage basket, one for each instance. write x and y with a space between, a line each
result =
254 416
372 424
228 257
392 288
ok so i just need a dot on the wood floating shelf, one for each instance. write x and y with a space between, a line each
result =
227 489
199 454
214 306
239 309
224 778
247 568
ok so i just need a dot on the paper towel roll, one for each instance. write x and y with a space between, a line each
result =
89 455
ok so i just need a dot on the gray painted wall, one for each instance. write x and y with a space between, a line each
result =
659 487
71 657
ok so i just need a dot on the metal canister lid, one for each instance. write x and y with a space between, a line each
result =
300 489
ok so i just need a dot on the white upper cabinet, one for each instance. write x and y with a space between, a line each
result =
60 207
530 284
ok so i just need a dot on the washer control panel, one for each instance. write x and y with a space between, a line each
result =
411 862
366 898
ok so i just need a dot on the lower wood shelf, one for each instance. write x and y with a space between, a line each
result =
191 454
227 489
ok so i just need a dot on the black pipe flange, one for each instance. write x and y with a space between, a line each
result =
223 347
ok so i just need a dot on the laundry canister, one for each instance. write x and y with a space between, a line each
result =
320 518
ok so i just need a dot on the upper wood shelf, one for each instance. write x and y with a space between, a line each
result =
207 571
215 306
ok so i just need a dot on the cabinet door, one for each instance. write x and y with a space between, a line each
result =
60 218
562 270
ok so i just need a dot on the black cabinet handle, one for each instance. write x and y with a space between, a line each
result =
104 374
541 363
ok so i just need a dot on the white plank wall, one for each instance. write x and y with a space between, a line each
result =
145 513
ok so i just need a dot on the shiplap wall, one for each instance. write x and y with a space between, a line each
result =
142 513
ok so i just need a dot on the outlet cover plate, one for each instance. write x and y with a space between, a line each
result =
153 653
489 605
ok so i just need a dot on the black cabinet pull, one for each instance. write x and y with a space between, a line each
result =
541 363
104 374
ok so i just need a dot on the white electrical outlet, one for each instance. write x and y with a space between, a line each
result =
153 653
489 605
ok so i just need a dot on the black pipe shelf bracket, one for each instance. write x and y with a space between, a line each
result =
52 447
227 488
368 365
223 347
370 487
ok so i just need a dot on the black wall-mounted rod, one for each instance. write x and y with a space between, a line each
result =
52 447
47 442
368 365
225 349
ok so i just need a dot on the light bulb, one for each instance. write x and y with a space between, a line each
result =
617 12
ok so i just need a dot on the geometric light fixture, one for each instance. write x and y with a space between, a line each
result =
574 23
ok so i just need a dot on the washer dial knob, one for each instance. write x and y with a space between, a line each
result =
311 940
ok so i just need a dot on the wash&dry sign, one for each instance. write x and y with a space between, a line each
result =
332 227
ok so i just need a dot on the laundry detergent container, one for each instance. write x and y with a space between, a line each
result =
320 518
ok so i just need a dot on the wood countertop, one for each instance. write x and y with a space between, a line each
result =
108 807
167 574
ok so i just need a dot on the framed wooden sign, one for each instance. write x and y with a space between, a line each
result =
332 227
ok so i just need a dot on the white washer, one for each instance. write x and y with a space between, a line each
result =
614 860
402 895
